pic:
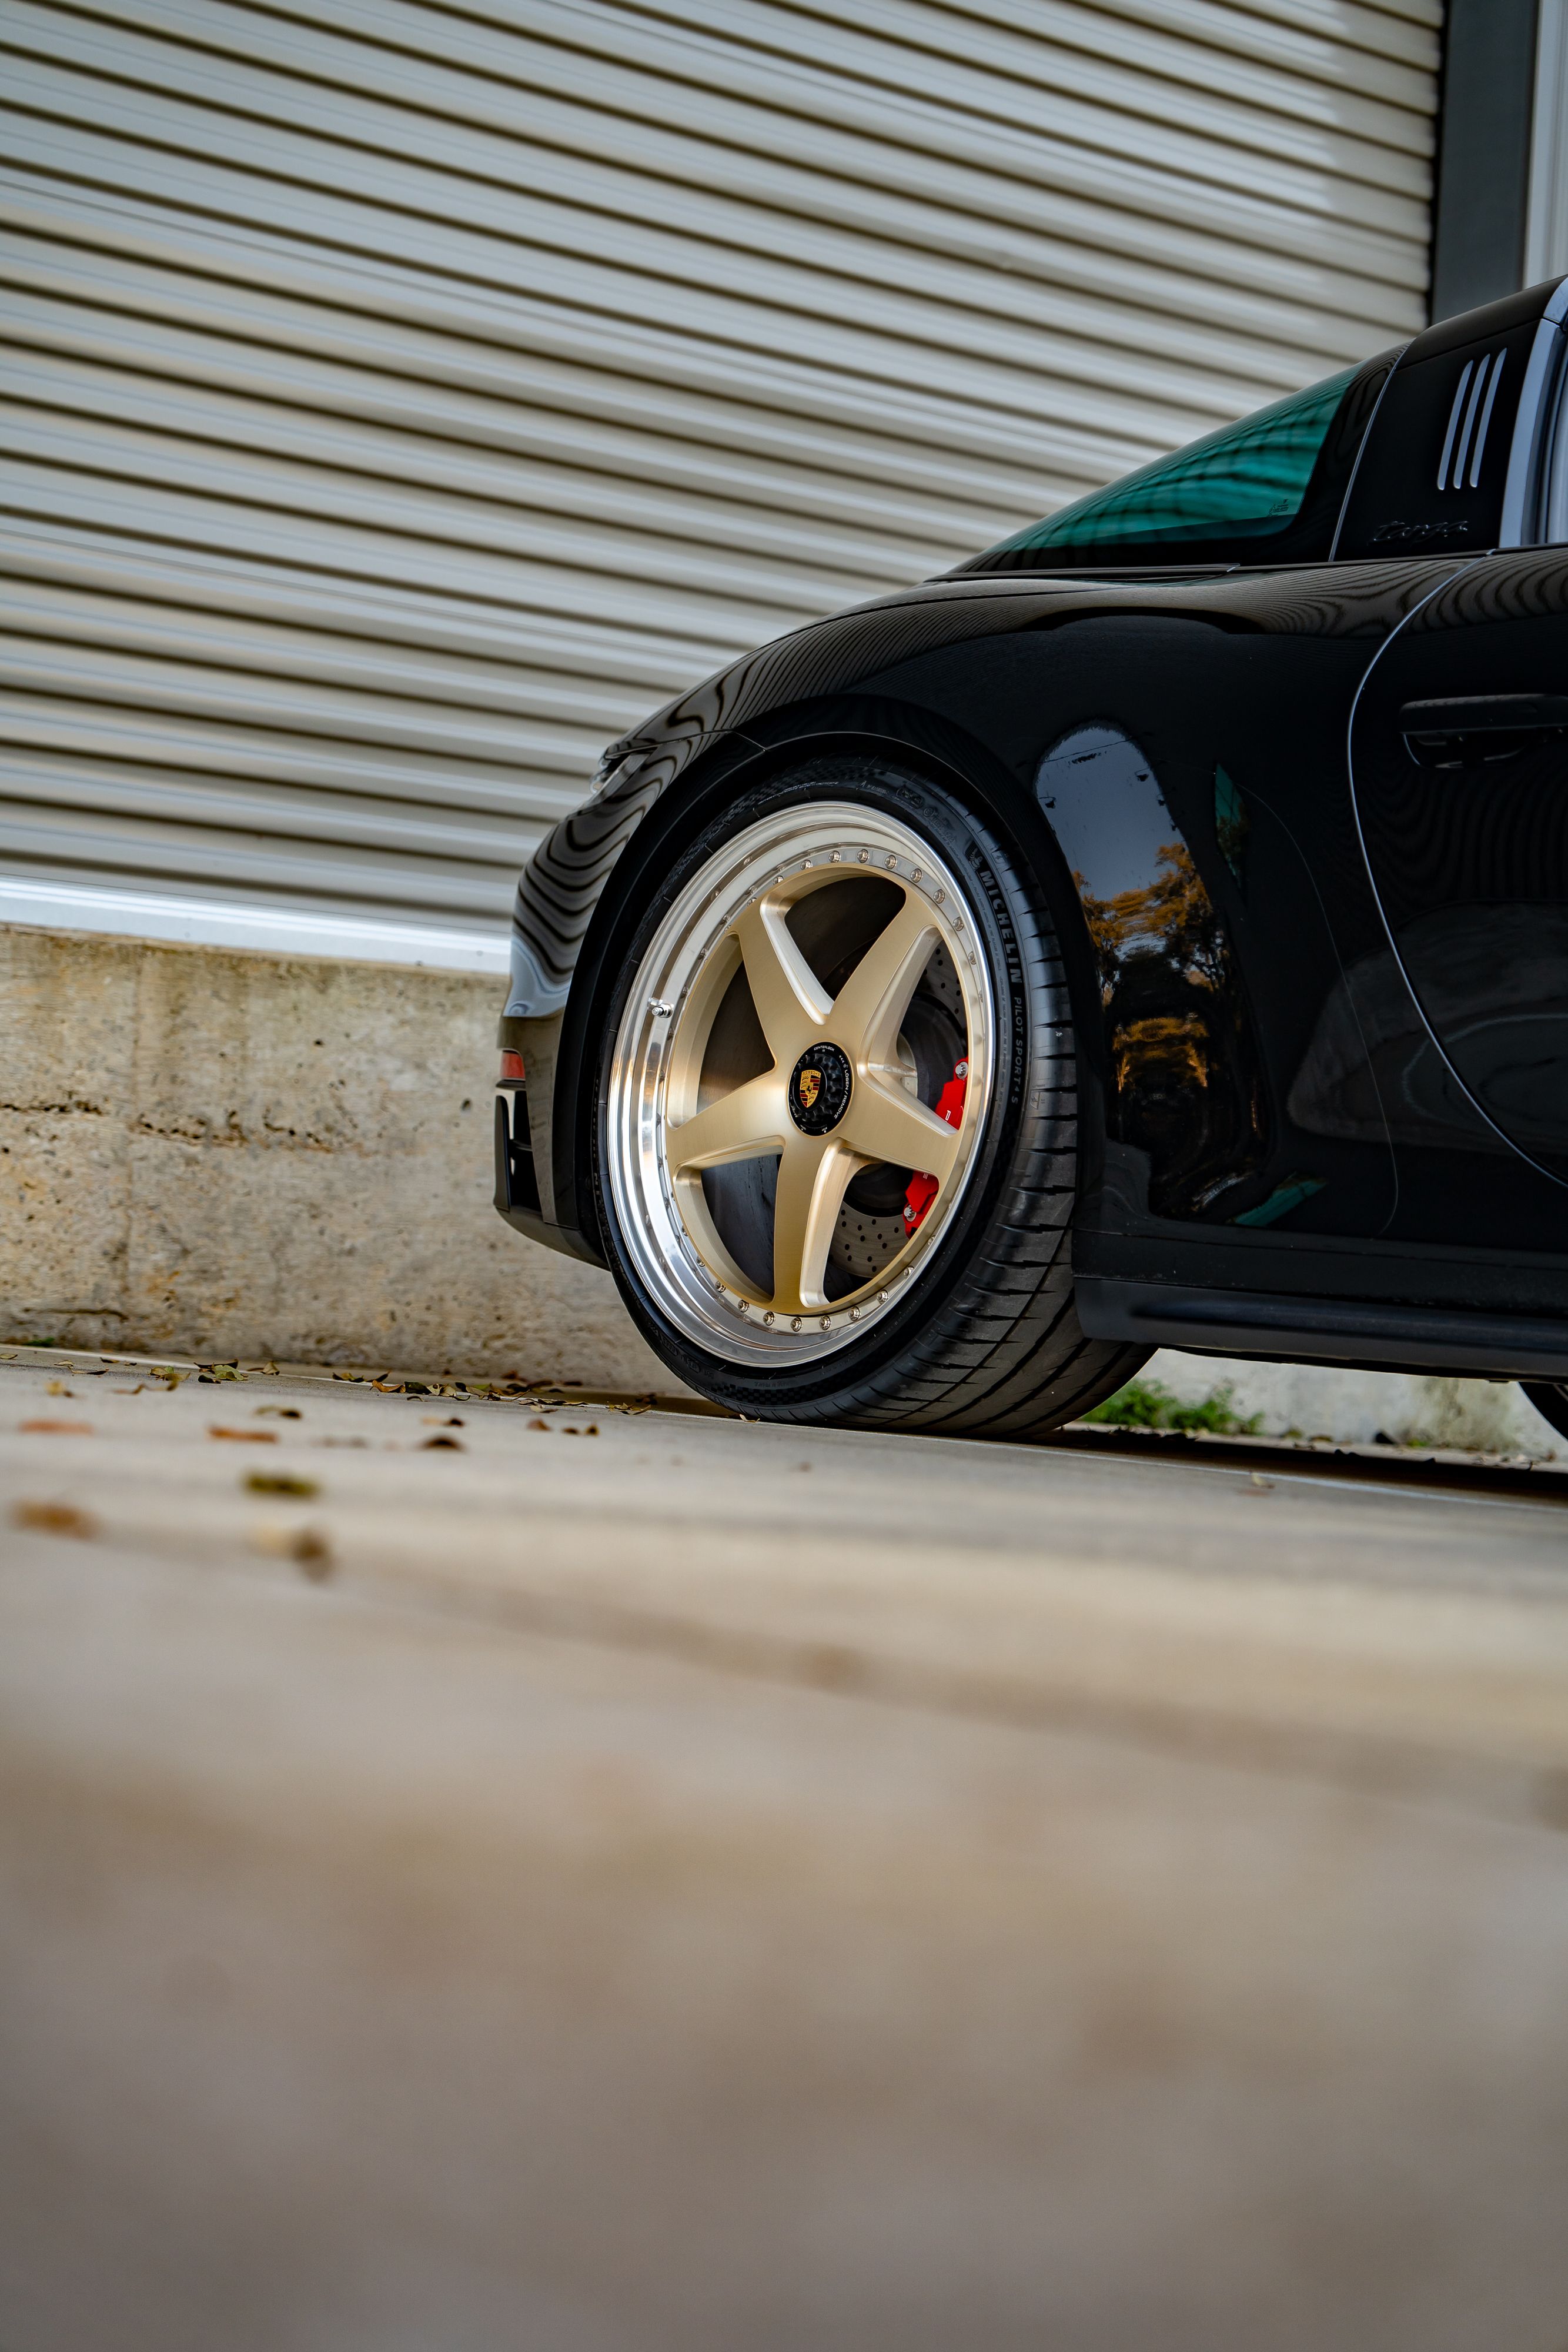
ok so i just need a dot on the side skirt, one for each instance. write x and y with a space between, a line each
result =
1349 1333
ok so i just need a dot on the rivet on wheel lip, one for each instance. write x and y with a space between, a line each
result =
827 1322
767 1318
796 1321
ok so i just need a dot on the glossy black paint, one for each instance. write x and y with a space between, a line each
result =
1186 1108
1238 691
1285 1095
1211 1079
1460 764
1405 500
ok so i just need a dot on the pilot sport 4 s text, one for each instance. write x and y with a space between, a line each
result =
1152 933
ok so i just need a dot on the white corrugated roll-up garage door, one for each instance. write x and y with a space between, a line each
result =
401 400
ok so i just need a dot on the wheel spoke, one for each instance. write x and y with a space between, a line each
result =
870 1008
886 1123
742 1125
811 1178
791 1002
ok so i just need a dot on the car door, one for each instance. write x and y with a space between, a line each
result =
1459 765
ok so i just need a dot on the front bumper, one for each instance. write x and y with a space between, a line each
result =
524 1159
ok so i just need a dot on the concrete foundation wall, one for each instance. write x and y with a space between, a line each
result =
225 1155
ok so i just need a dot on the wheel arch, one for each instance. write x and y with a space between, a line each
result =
934 747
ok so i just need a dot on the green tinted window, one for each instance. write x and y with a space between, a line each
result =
1241 482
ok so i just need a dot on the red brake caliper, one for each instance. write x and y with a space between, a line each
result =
949 1105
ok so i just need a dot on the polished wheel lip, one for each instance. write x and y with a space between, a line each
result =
733 902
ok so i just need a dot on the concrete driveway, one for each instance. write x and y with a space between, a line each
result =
482 1875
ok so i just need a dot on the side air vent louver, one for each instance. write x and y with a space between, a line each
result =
1466 437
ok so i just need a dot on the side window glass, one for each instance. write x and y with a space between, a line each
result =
1246 480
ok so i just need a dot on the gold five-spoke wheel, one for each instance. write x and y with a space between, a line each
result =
809 1032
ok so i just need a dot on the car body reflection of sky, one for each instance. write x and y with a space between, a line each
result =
1105 808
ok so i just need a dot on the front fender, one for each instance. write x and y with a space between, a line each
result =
562 888
783 695
562 883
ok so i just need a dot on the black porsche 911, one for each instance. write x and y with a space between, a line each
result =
1152 933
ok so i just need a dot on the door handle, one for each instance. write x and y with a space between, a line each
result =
1465 730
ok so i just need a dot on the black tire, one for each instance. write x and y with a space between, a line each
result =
988 1342
1550 1399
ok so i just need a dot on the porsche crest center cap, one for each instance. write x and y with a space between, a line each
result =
820 1087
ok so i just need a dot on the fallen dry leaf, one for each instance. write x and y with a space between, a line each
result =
243 1436
280 1482
454 1444
54 1519
536 1423
56 1429
315 1556
438 1420
308 1546
280 1411
58 1388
